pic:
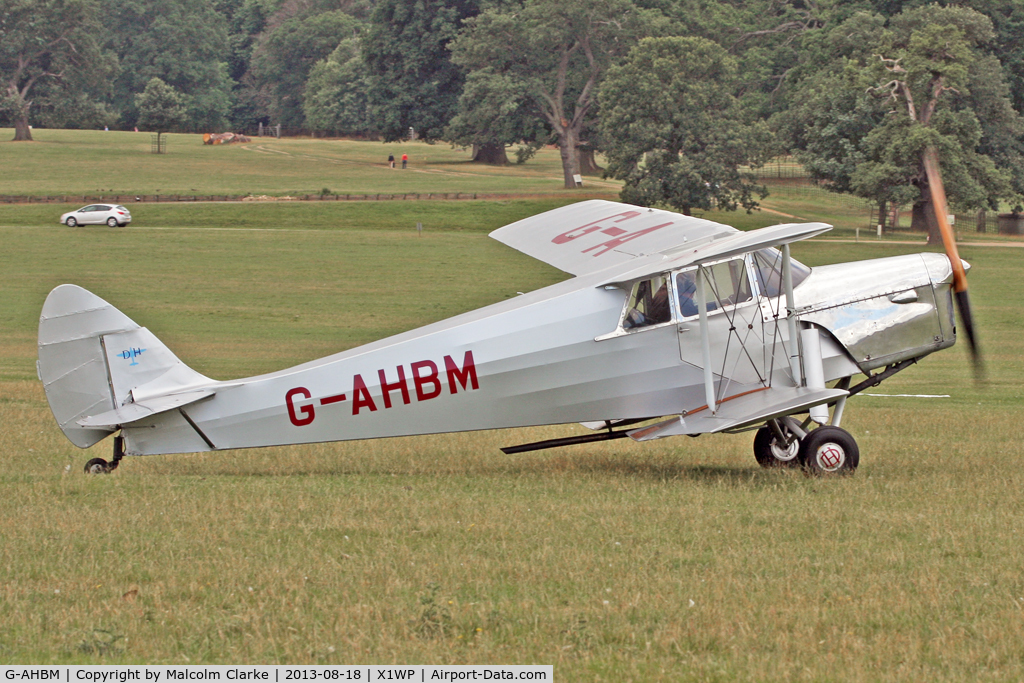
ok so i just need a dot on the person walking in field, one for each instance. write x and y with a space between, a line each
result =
405 160
391 160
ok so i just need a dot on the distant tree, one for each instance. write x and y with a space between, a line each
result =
45 43
336 98
833 109
1007 17
927 59
558 53
285 54
245 20
414 83
1008 22
493 113
674 131
183 43
71 105
161 108
934 83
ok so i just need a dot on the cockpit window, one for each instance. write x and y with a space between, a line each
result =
725 284
648 304
686 290
768 264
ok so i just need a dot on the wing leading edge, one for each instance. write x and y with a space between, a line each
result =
594 236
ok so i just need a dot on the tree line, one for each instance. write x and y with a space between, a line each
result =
680 96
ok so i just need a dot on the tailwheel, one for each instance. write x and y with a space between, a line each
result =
829 451
101 466
776 448
97 466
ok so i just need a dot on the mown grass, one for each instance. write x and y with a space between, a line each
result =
677 560
62 162
85 164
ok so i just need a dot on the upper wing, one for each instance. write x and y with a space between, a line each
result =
596 235
721 247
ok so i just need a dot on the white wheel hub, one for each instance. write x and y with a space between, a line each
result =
785 454
830 456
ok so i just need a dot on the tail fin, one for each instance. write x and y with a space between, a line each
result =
101 370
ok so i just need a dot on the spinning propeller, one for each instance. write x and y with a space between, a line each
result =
963 303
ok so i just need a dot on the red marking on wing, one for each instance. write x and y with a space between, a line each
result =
595 226
619 241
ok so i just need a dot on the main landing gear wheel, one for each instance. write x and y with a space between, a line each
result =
770 451
829 451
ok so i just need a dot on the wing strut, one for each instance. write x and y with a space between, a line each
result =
565 441
705 342
791 317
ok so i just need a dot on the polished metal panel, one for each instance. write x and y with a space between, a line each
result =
883 310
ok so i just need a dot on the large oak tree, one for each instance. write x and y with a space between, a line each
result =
556 53
183 43
414 83
885 89
44 41
284 56
675 132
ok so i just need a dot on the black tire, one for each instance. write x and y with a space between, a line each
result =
769 452
112 222
71 222
97 466
829 451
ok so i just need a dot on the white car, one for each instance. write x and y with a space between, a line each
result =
94 214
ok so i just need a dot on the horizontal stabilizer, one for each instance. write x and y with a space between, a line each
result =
133 412
742 411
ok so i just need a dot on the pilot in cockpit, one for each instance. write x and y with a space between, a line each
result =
647 308
687 289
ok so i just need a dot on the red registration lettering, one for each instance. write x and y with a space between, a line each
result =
619 241
464 376
400 385
306 412
362 396
576 233
422 380
426 378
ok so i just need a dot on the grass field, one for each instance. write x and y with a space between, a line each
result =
84 164
61 162
678 560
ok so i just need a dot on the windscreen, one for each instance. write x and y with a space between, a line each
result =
768 264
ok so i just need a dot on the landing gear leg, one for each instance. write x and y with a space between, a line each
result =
101 466
775 445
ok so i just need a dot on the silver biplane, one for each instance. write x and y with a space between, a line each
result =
671 325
